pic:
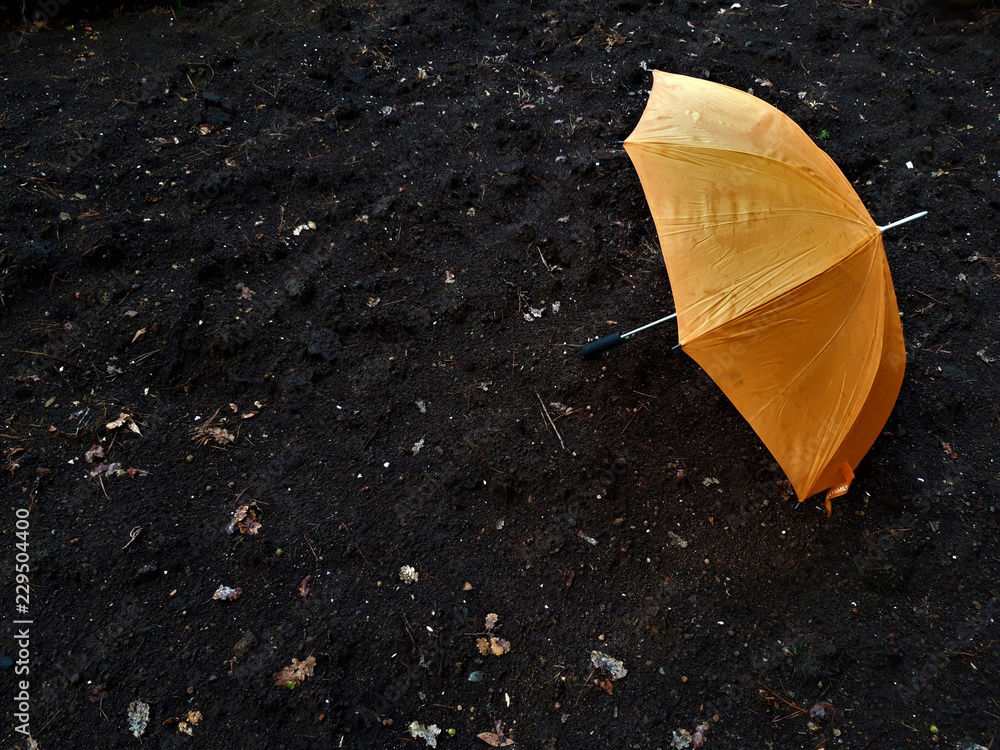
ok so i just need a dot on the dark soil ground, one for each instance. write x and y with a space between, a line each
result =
320 230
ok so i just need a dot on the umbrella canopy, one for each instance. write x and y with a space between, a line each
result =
778 272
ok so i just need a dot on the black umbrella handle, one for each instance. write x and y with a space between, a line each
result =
602 345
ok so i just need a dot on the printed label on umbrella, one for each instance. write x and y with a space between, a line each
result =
840 489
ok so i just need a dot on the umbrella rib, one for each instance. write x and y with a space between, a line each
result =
787 291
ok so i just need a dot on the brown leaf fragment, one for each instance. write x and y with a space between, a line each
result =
949 450
293 674
608 685
246 520
304 586
492 646
133 472
95 452
227 593
103 468
126 420
698 738
210 433
138 333
188 723
495 740
219 435
491 621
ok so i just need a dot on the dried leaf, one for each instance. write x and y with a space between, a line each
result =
495 740
104 468
218 435
949 450
138 717
133 472
209 432
124 419
556 406
608 685
187 726
493 646
427 734
294 674
95 452
614 667
245 520
698 738
304 586
138 333
676 540
227 593
491 621
681 740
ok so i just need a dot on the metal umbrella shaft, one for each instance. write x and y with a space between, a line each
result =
615 339
610 342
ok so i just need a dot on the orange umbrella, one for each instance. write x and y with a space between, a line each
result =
778 272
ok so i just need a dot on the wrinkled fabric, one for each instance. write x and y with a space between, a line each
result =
778 272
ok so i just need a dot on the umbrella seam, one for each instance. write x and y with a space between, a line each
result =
647 147
743 315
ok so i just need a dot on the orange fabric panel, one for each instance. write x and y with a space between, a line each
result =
779 275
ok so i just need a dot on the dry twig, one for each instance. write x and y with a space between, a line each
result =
549 417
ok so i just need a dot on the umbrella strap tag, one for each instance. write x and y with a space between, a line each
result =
840 489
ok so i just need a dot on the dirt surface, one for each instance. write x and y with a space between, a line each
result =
328 261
